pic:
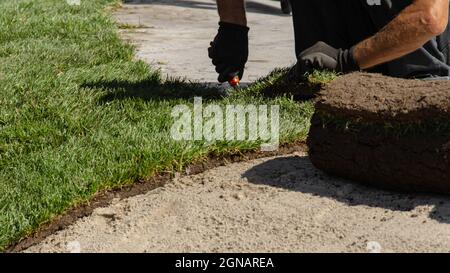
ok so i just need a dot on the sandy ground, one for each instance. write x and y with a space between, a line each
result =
174 35
280 204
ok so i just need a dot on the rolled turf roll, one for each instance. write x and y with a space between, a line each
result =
385 132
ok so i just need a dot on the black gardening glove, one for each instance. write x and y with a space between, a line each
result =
321 56
229 51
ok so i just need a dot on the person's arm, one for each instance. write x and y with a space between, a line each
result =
411 29
229 49
232 11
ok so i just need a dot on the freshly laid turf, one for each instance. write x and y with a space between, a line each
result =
79 115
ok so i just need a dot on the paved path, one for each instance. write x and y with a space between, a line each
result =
174 35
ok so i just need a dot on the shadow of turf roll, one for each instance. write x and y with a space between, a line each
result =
385 132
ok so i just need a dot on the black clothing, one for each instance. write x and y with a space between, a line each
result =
344 23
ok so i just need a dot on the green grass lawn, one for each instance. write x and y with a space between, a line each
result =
79 115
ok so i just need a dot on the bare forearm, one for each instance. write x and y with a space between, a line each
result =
411 29
232 11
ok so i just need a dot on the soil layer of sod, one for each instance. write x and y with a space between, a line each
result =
385 132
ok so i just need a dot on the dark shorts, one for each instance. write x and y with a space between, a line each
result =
344 23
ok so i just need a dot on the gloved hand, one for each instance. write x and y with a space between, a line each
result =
229 51
321 56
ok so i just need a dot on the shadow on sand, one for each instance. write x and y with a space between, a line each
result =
298 174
